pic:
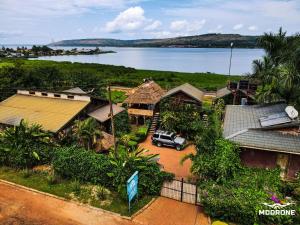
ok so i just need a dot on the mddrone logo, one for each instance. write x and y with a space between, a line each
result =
277 208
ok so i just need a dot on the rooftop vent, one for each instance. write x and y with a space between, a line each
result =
292 112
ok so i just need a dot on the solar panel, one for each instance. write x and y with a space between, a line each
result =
274 119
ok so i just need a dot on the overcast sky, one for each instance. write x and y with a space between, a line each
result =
44 21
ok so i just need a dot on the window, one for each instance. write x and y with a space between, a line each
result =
32 92
56 95
44 94
165 137
70 96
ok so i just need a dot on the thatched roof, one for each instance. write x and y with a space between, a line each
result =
189 90
106 142
147 93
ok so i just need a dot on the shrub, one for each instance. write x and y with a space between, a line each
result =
110 171
239 199
80 164
25 146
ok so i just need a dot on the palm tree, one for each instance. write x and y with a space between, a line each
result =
126 162
278 73
25 140
87 132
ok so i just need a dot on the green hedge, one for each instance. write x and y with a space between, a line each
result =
87 166
80 164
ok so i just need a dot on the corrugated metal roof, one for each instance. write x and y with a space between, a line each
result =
52 113
76 90
242 125
223 92
103 114
187 89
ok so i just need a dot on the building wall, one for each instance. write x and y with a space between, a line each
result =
258 158
290 164
294 165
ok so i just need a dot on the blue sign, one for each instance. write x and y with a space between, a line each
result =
132 186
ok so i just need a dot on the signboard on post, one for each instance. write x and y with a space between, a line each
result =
132 186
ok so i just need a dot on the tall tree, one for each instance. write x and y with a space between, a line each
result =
278 73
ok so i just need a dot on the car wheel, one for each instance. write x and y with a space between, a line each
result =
159 144
178 147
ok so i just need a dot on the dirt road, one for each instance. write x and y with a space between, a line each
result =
21 207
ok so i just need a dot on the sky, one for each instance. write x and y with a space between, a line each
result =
45 21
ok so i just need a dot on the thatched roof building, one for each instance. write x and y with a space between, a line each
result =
147 93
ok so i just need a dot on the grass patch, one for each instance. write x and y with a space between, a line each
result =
70 190
117 96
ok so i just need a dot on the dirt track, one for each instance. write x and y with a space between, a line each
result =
21 207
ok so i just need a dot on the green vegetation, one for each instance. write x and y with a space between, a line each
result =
87 132
24 146
122 125
117 96
229 191
199 41
278 73
111 170
74 190
184 118
35 74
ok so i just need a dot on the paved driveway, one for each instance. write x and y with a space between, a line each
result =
170 158
165 211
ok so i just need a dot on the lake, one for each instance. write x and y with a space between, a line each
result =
215 60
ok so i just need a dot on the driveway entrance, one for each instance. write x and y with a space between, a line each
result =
165 211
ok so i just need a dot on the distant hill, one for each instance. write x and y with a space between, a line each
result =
198 41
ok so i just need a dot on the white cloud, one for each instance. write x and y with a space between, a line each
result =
128 20
252 28
238 26
185 26
46 8
153 26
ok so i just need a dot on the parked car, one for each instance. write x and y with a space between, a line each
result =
165 138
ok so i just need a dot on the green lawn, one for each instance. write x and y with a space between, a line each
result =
117 96
68 189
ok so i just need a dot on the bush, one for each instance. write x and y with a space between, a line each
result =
109 171
80 164
239 199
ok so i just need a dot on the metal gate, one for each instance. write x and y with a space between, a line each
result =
181 191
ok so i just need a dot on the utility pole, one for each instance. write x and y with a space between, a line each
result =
112 120
231 47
